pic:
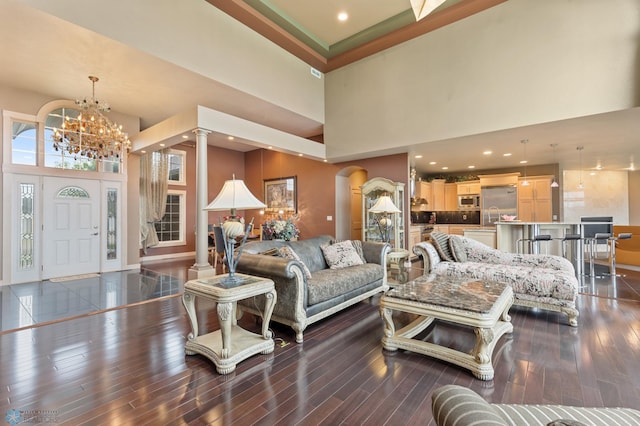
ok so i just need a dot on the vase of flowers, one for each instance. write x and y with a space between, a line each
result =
281 229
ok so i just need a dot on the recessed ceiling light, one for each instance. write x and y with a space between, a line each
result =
269 147
300 155
324 161
471 167
162 145
143 152
230 138
592 173
445 168
418 156
343 16
506 154
487 152
523 161
433 163
185 137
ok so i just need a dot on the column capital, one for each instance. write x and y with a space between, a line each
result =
200 131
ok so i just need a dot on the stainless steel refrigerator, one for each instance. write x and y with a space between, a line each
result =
497 201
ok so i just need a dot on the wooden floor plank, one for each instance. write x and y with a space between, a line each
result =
128 366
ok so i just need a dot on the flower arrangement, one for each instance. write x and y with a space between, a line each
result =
281 229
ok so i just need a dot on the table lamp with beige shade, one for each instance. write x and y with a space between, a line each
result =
384 206
233 196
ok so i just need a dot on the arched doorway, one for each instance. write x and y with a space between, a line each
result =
349 202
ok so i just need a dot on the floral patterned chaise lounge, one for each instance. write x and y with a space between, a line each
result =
541 281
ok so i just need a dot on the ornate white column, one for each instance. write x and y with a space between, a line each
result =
202 267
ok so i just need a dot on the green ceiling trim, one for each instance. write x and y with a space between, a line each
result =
284 21
385 27
281 19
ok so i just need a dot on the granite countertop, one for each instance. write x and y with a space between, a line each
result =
481 229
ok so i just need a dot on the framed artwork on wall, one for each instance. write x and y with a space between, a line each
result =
280 195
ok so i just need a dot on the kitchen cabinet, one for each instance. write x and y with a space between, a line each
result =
534 200
471 187
441 228
460 229
451 197
499 180
423 190
437 195
371 191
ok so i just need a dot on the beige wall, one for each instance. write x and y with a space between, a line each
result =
603 194
519 63
177 35
634 198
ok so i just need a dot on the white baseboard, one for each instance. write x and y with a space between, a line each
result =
164 257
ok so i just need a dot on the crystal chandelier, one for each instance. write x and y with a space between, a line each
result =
91 134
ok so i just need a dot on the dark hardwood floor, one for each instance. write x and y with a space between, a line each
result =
127 366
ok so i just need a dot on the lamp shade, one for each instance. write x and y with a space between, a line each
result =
235 195
384 205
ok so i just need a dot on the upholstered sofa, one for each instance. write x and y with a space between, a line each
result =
309 289
454 405
541 281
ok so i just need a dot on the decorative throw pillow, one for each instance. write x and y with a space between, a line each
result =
357 244
457 248
341 255
288 253
441 242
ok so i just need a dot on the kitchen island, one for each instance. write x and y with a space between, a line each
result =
509 232
483 234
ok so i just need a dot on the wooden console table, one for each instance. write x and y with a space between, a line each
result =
231 344
478 304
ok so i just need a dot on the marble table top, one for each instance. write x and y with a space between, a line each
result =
459 293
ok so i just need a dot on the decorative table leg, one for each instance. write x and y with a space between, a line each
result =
402 270
389 328
225 312
482 353
270 302
188 300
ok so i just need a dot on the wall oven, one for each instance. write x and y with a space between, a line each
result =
469 202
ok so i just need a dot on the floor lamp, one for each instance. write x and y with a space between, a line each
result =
385 206
234 195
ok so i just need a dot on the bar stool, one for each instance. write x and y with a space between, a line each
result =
537 239
569 238
593 242
613 241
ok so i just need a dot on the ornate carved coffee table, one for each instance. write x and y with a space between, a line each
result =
483 305
231 344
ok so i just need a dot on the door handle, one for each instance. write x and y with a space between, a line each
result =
95 234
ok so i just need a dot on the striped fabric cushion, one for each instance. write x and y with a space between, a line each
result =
458 406
454 405
545 414
441 242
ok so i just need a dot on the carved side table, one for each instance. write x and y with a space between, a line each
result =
231 344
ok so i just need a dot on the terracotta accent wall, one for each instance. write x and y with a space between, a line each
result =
316 185
394 167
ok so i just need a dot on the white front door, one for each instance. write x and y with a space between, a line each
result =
71 227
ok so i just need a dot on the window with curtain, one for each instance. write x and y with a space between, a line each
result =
171 228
